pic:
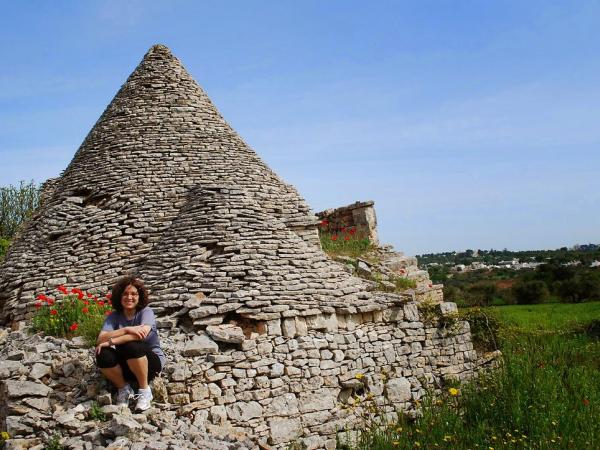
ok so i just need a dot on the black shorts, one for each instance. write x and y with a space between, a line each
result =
110 357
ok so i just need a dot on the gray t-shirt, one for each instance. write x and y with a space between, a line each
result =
145 316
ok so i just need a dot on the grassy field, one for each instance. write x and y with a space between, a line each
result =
550 316
545 396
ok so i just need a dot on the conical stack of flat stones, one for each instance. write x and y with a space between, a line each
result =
265 336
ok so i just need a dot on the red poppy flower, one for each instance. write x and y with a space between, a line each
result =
85 302
38 305
73 327
85 310
89 295
50 301
108 296
80 295
53 312
62 289
402 270
586 402
347 238
430 285
100 303
324 223
42 297
334 237
343 230
107 312
352 231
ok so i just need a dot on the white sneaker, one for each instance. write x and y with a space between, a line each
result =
124 394
144 397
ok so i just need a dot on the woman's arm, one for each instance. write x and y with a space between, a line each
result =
121 336
137 333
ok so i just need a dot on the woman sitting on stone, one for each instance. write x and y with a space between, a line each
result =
128 346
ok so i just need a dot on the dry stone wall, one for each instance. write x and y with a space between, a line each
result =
360 215
302 379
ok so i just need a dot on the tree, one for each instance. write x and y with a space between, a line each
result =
17 203
529 292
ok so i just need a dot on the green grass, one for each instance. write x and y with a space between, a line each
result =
549 316
546 395
344 244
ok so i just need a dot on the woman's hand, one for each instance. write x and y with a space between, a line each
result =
102 345
140 331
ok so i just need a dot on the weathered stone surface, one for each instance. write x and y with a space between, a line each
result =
244 411
284 430
398 390
226 333
39 370
319 400
13 389
283 405
200 345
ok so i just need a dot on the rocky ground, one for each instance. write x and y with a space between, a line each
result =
54 394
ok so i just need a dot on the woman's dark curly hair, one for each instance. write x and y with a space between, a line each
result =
121 285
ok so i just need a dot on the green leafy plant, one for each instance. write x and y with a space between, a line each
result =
485 328
73 313
96 413
54 443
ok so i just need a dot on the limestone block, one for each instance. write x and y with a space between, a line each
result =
39 370
123 425
288 327
398 390
244 411
393 314
301 326
199 392
411 312
448 308
274 327
14 389
284 430
203 311
228 333
319 400
283 405
218 415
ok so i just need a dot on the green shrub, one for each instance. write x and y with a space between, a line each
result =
96 413
4 244
73 313
530 292
485 328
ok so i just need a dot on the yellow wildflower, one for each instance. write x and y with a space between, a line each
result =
417 444
453 392
5 436
359 376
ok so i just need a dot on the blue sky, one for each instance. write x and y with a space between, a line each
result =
471 124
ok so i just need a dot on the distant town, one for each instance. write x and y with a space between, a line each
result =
587 255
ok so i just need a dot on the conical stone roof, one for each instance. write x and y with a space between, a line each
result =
158 139
225 245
